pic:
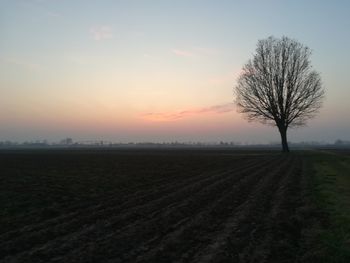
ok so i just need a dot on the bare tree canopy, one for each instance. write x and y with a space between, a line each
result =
278 86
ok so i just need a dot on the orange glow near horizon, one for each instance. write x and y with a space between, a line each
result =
178 115
137 71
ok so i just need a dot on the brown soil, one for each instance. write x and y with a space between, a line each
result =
159 206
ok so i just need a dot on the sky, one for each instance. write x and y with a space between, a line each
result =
158 70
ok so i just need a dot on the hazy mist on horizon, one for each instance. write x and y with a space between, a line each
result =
158 70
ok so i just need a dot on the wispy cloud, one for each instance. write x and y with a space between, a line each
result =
182 53
173 116
101 32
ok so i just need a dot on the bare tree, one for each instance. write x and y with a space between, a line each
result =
278 86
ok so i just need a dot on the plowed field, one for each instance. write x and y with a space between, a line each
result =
149 206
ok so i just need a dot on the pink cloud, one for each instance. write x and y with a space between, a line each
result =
101 32
173 116
182 53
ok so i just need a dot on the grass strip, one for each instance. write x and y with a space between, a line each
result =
328 174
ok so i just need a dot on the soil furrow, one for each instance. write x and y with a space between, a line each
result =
208 223
280 222
173 171
115 202
240 228
164 225
121 195
105 225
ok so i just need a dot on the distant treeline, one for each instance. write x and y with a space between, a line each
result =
68 142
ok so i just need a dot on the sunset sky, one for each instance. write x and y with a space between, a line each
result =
158 70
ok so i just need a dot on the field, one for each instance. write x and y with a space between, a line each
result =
330 191
152 206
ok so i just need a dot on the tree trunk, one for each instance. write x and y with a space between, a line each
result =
283 132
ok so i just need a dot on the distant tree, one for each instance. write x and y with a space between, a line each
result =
341 142
67 141
278 86
338 142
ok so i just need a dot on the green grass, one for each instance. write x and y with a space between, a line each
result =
329 183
